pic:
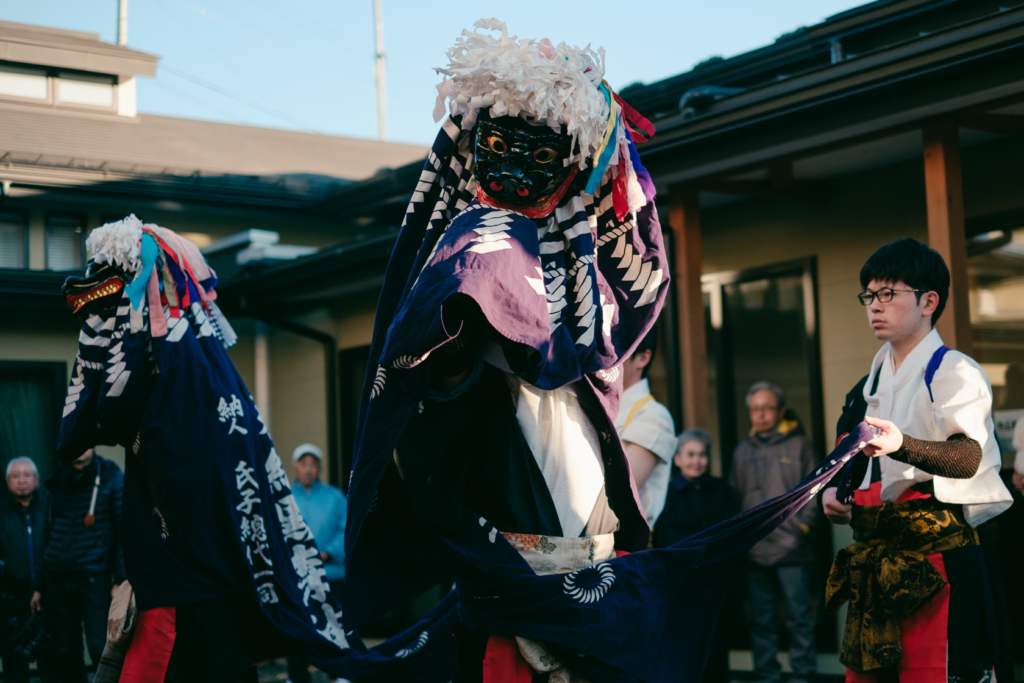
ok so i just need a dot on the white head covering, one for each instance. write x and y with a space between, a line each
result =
307 449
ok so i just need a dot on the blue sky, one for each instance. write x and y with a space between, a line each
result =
308 64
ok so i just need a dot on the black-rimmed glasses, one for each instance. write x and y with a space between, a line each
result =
884 295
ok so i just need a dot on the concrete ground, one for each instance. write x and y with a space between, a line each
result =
276 671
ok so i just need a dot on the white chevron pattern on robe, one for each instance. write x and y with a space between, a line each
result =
492 232
638 272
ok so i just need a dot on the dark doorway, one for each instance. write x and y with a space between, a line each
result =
762 326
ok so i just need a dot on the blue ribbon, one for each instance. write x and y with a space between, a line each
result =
137 289
606 155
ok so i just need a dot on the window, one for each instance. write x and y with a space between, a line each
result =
12 240
31 400
762 327
995 266
16 81
94 91
64 242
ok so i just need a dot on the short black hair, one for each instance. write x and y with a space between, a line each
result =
913 263
648 343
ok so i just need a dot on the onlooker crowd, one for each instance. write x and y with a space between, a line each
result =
60 558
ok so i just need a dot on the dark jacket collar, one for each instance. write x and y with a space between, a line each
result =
681 483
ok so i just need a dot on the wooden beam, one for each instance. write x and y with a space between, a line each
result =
947 233
684 217
780 184
797 190
1004 124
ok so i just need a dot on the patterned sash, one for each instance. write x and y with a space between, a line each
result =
887 576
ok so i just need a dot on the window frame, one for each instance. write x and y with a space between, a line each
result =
47 74
53 78
58 377
46 247
57 79
717 335
24 236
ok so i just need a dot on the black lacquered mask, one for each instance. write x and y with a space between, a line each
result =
521 167
100 289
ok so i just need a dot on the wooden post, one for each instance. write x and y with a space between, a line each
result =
946 231
684 217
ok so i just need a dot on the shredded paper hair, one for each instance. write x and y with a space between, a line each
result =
555 85
117 243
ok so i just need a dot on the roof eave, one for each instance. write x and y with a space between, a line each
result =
98 58
864 78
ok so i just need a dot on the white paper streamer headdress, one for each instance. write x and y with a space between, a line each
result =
555 85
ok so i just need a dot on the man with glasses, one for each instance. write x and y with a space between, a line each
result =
922 602
774 459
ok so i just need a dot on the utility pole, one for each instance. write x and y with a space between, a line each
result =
379 71
122 22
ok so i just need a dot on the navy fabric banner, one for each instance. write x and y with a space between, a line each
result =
198 452
207 508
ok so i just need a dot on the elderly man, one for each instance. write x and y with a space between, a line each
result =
82 564
774 459
324 508
23 536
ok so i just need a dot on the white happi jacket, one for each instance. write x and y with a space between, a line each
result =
962 404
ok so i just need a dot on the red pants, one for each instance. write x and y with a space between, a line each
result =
150 651
923 635
504 663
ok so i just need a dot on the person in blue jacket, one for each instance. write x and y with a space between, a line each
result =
324 507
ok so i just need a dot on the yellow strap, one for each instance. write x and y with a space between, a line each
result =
636 409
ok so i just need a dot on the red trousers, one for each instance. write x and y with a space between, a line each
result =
923 635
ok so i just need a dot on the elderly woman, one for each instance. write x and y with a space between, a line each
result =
695 501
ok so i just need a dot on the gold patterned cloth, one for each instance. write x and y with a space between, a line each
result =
886 574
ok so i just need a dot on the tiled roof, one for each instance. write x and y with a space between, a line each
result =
153 144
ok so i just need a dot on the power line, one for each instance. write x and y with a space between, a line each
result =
301 23
248 27
276 113
216 53
190 98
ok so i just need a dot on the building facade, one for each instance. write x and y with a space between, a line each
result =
75 153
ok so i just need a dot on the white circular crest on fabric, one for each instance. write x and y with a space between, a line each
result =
586 592
415 647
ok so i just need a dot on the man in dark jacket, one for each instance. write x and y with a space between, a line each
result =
23 536
771 461
83 562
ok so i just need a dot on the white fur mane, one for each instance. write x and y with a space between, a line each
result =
555 85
